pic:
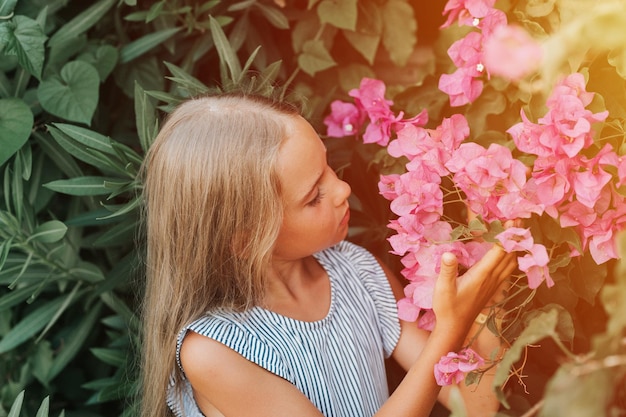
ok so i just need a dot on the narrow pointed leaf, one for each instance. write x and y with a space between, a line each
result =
30 325
80 186
144 44
225 50
81 22
49 232
74 341
17 405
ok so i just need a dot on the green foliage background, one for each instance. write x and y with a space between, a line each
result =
83 86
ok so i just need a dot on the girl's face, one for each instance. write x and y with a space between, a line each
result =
315 201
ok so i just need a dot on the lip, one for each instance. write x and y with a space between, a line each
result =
346 218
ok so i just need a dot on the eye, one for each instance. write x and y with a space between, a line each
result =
317 199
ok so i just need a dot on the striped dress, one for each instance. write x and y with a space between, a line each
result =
338 361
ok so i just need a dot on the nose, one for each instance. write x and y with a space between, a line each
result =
342 192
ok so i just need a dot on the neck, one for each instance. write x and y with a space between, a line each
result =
298 289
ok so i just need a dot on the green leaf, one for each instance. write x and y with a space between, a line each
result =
274 16
364 43
17 405
575 392
183 79
225 51
103 58
87 271
399 30
6 7
80 186
24 38
540 327
145 117
315 57
30 325
72 96
81 22
16 122
119 234
97 159
341 14
115 357
49 232
87 137
74 342
15 297
44 408
144 44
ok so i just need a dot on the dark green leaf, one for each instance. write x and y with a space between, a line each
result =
74 342
144 44
103 58
145 117
49 232
87 271
6 7
81 22
24 38
16 122
80 186
72 96
87 137
30 325
113 357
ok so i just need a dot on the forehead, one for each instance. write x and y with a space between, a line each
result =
301 158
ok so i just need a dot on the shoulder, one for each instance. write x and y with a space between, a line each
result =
346 253
218 374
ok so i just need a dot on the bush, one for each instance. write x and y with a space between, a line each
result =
83 86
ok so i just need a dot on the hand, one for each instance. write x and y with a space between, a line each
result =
457 302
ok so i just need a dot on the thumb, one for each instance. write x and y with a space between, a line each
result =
449 268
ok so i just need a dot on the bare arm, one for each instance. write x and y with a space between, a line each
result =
236 387
480 399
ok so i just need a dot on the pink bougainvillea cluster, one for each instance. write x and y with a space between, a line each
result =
563 181
494 48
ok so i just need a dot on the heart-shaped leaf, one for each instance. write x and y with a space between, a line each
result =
341 14
16 122
315 57
24 37
72 96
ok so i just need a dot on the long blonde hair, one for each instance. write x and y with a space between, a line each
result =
213 211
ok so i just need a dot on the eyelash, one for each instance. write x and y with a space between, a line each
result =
317 199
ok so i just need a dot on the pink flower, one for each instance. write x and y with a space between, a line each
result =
467 51
407 311
494 19
465 11
344 119
462 86
451 369
511 53
535 264
516 239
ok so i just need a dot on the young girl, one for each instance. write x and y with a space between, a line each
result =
255 304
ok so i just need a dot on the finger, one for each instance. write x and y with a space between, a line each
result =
449 268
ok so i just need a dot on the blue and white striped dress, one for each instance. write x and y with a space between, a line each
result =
337 362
